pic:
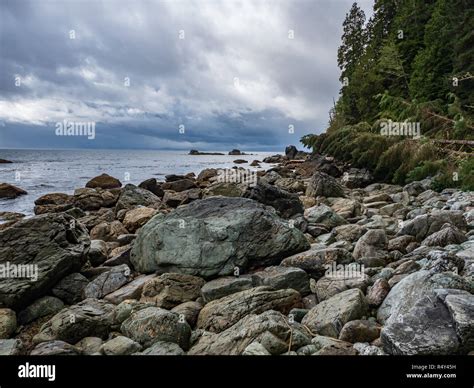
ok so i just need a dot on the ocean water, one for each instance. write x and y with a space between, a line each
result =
62 171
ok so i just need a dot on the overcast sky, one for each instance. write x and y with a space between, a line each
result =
226 72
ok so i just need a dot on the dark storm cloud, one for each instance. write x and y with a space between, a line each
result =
234 80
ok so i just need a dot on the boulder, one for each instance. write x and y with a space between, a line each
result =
162 348
104 181
322 184
328 317
279 277
324 215
235 339
42 307
136 218
8 191
55 348
108 231
172 289
339 281
317 260
286 204
90 317
133 196
120 346
11 347
227 285
45 249
8 323
425 328
448 234
132 290
360 331
70 289
212 236
424 225
174 199
377 292
94 199
371 244
153 324
153 186
108 282
179 185
225 189
90 345
98 252
189 310
404 295
220 314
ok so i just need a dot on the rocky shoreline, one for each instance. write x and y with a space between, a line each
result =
311 257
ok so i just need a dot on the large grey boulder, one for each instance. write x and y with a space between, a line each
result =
220 314
235 339
213 236
47 248
328 317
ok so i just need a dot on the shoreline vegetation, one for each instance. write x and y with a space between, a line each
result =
312 256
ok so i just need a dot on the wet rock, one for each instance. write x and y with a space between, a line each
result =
94 199
179 185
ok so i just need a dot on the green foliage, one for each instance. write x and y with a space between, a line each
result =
402 66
